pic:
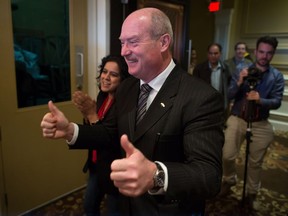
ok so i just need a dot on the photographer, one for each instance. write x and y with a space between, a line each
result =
255 91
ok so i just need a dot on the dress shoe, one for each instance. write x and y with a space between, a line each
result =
252 201
226 188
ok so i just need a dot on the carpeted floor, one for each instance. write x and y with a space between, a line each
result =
272 198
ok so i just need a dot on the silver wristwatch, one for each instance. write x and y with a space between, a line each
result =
159 178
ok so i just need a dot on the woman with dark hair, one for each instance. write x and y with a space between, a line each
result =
113 70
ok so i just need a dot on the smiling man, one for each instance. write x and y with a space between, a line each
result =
238 61
172 158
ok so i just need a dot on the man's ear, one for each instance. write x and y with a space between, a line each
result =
165 41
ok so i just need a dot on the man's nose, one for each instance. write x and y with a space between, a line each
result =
125 50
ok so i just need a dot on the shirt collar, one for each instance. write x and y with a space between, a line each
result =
158 81
218 66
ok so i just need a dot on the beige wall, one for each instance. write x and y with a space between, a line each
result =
249 21
253 20
201 27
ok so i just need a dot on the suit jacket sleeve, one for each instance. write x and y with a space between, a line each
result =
200 174
102 135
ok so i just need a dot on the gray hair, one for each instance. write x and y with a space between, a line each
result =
161 25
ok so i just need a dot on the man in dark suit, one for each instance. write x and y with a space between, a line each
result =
172 158
215 72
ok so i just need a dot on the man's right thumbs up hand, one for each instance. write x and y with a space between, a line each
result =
132 175
55 125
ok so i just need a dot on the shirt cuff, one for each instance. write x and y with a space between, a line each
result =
75 135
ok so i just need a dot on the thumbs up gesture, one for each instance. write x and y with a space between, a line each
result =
55 125
132 175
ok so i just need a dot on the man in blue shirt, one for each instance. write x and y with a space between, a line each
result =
262 91
238 61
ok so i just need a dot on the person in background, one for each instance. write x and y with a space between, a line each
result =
172 141
238 61
253 105
247 55
214 72
193 61
113 70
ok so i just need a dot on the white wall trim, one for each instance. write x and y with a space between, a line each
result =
279 125
92 45
223 21
98 39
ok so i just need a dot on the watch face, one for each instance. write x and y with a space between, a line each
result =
160 179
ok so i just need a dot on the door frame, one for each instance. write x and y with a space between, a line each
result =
98 40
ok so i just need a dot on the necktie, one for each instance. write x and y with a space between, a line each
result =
142 102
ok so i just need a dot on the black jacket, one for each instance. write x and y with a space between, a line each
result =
183 128
108 149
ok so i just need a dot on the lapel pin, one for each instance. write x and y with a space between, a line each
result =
162 104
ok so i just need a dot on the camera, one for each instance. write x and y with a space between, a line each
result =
254 75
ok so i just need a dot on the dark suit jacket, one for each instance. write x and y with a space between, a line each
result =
203 71
183 128
107 151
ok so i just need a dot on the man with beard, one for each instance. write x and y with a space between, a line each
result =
252 105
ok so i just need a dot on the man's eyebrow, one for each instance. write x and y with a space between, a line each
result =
131 37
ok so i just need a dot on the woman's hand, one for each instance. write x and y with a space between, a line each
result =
86 105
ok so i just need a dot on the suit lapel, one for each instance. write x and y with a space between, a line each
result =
132 122
133 95
160 105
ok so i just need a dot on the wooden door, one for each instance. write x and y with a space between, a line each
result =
178 13
35 170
